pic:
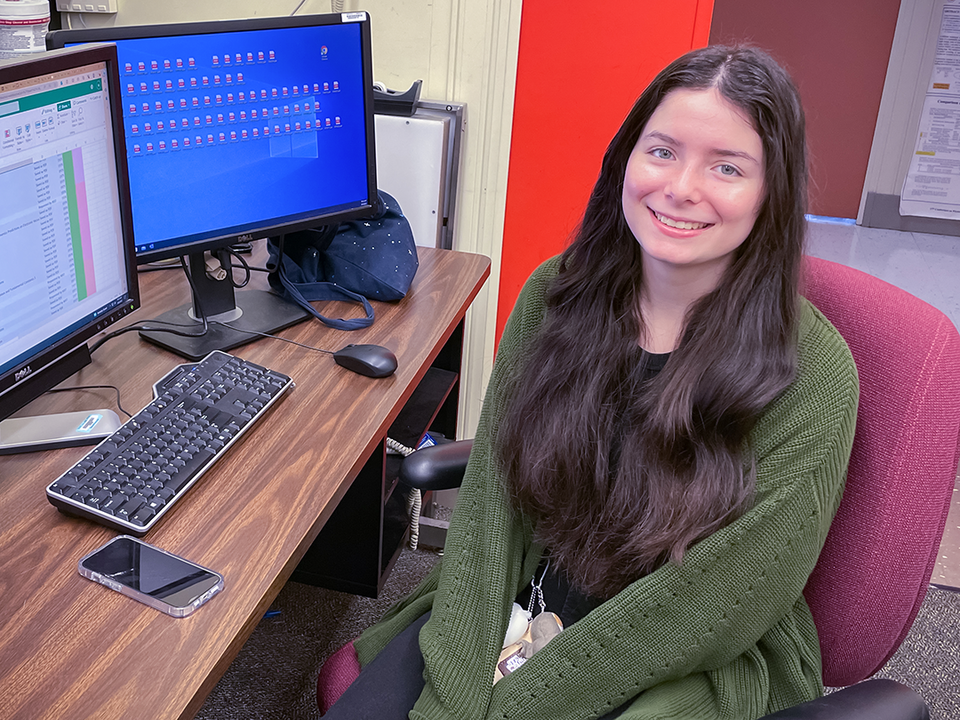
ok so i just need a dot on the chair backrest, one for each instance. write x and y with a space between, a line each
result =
875 568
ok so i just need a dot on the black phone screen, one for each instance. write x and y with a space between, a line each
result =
151 571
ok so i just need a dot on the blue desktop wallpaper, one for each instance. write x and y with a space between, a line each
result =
234 131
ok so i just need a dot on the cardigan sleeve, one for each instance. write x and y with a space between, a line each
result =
480 493
486 556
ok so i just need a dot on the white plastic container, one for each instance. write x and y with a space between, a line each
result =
23 27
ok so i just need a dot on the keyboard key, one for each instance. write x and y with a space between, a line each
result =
142 515
129 507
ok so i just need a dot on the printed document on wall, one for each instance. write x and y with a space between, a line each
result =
932 186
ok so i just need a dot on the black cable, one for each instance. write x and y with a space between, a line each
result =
196 296
229 267
273 337
170 326
95 387
157 266
146 328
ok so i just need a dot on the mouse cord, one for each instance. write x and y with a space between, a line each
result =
414 497
274 337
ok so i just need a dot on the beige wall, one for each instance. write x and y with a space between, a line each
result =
464 51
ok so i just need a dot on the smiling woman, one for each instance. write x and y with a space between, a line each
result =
662 446
690 248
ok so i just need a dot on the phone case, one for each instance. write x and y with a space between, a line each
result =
172 610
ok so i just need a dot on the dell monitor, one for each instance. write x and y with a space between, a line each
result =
239 130
66 237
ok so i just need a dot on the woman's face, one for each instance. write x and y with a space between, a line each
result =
694 183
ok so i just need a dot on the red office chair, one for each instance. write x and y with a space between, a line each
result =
875 568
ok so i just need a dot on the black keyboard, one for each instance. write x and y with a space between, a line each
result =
134 476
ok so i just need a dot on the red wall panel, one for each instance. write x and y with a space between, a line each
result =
580 68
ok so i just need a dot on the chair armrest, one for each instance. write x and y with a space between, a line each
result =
439 467
879 699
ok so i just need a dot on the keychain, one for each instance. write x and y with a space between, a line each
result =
535 632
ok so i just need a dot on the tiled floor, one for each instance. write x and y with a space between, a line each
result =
927 266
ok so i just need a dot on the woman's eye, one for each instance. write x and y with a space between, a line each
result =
728 170
662 154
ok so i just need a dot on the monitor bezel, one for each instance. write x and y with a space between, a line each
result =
62 38
25 381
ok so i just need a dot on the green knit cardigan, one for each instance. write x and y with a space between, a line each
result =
724 634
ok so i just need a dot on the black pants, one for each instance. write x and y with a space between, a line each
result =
388 687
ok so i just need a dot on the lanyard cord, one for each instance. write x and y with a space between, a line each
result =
536 592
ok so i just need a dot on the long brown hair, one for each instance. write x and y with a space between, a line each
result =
621 473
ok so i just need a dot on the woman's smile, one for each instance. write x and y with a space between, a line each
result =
680 224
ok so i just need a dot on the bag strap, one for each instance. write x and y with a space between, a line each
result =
303 293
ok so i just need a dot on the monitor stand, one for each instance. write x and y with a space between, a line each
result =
56 430
259 311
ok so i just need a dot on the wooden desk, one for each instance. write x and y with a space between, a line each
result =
70 648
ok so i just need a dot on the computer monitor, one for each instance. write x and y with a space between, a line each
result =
67 263
238 130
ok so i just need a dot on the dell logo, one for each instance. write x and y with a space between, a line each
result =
246 237
22 373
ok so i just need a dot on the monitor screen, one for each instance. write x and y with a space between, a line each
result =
238 130
68 266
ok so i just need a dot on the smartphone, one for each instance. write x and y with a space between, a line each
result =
153 576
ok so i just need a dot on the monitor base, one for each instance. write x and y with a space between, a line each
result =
262 312
42 380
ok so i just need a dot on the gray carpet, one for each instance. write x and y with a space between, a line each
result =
929 658
274 676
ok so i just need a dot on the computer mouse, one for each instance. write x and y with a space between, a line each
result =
371 360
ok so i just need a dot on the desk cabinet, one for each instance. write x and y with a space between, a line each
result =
357 547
